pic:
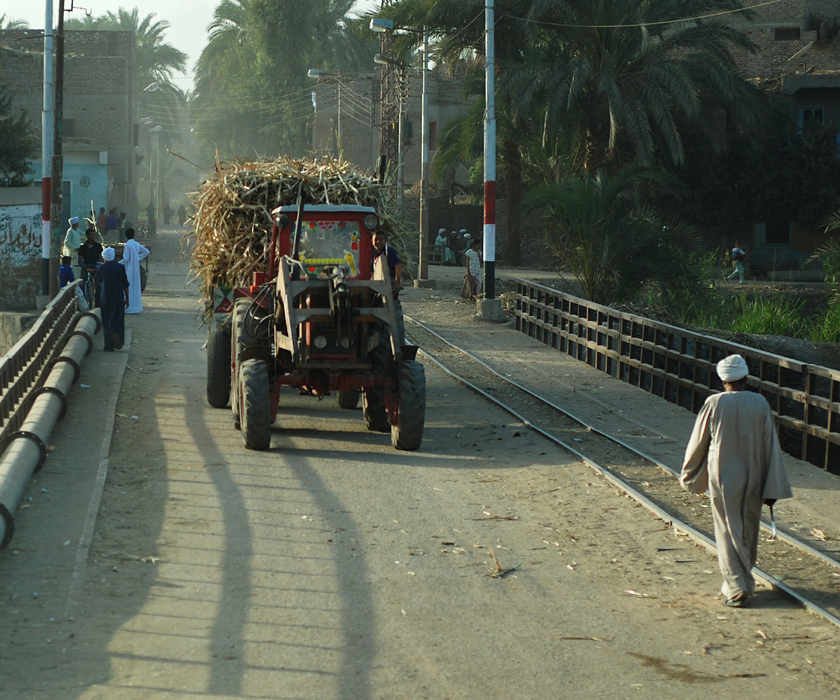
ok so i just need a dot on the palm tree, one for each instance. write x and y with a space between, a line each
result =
620 75
155 59
252 93
457 30
9 23
612 241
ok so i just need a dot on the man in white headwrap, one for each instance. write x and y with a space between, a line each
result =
133 253
72 240
734 452
113 300
442 241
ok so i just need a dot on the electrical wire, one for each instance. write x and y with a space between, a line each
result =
682 20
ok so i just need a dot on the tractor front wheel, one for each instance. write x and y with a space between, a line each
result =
218 366
348 399
255 404
407 434
373 407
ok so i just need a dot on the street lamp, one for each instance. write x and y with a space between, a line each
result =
317 74
380 25
151 87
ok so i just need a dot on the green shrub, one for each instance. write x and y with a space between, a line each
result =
781 315
826 328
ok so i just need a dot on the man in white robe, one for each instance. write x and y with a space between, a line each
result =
72 240
734 452
133 253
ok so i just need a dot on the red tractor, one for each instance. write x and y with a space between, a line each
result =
321 319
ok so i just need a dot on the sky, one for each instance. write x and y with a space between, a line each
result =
188 20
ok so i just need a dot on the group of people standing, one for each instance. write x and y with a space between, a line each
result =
453 246
118 284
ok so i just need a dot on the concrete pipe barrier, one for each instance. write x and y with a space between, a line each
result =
26 450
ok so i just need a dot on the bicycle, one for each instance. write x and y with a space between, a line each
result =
89 285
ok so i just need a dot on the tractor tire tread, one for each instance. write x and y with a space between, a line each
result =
218 367
255 408
407 434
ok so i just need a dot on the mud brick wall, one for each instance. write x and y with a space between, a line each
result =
775 51
98 82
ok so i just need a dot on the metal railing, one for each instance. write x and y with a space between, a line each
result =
679 366
24 368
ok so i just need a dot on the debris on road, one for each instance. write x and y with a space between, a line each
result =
499 572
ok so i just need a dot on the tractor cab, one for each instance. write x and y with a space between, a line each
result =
330 238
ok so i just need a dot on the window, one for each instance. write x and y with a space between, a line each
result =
433 136
786 34
809 116
774 232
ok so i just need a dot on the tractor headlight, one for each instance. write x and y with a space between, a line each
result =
371 222
344 342
320 342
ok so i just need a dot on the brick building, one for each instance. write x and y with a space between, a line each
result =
98 111
799 56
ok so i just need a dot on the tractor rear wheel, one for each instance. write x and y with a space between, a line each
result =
407 434
240 340
255 404
218 366
348 399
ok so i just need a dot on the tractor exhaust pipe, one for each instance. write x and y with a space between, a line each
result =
26 449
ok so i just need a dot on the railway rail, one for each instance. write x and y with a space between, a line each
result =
792 566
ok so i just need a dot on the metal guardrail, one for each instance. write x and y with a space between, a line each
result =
25 367
679 366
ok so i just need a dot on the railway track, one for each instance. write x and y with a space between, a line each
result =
807 575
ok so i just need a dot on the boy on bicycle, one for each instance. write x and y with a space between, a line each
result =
90 255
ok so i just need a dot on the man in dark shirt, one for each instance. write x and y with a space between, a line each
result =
381 247
113 300
91 251
90 255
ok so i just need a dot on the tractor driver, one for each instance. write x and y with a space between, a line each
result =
381 247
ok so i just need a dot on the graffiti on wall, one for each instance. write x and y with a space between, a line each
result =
20 235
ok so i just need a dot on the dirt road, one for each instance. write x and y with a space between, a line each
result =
333 566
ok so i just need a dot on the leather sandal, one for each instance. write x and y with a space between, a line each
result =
739 600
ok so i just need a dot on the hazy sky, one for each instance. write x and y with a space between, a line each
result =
188 20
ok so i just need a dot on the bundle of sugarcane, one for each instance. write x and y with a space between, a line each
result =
232 221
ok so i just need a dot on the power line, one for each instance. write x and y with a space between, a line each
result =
682 20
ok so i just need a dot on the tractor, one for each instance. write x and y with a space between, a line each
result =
323 319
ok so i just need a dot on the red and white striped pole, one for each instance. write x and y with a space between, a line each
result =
489 155
47 131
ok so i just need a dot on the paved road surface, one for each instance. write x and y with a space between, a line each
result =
333 566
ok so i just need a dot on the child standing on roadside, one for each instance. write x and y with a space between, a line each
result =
472 258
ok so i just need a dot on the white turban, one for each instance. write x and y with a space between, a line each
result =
441 231
108 254
731 369
74 220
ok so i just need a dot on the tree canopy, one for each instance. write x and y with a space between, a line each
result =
252 94
19 144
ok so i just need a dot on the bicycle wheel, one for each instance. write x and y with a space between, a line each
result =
90 291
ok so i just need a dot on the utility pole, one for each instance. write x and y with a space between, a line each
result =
490 308
57 158
422 260
47 128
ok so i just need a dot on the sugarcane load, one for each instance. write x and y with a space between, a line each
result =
297 296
